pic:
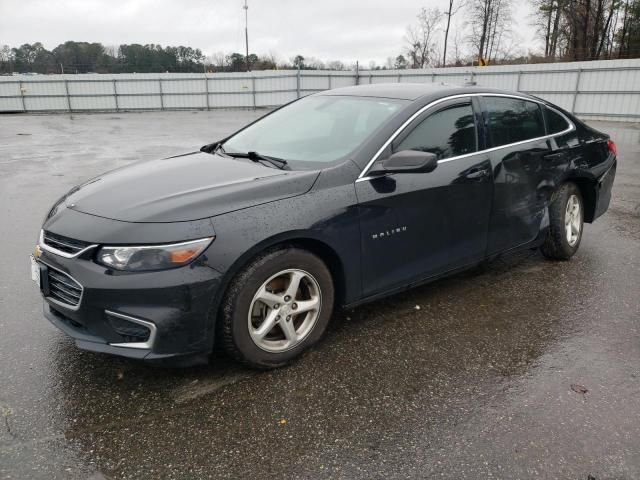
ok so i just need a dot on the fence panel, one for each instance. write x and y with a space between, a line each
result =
608 89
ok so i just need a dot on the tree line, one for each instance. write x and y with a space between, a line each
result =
468 32
589 29
570 30
84 57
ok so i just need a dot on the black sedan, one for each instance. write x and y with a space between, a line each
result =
338 198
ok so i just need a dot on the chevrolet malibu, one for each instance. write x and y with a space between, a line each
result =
336 199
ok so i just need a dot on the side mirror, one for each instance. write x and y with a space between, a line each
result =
407 161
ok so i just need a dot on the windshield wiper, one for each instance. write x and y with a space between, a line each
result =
256 157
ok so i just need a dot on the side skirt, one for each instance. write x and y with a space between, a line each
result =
537 242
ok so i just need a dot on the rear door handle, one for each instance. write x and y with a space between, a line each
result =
477 174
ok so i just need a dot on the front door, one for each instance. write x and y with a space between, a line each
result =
416 225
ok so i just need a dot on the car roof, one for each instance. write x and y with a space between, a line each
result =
412 91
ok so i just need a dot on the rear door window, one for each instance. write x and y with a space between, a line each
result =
555 122
513 120
449 132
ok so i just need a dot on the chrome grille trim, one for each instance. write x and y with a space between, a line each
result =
61 253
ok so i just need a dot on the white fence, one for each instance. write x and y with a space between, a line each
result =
608 90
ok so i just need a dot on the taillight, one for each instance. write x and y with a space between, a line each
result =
611 145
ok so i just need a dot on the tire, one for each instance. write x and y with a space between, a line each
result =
261 289
560 244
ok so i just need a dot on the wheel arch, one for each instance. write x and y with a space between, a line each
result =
301 240
588 190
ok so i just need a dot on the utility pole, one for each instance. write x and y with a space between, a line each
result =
246 31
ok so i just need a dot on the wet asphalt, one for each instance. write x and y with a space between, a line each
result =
481 375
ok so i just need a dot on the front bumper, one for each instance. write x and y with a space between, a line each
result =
115 309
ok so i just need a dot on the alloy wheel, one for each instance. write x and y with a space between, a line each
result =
573 220
284 310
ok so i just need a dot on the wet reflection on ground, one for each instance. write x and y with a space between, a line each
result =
469 377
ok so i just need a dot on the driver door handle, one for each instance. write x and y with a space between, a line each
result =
553 156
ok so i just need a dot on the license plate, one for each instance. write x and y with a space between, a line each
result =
35 271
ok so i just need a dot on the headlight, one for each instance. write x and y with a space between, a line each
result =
152 257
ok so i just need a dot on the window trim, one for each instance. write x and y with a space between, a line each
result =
363 174
454 104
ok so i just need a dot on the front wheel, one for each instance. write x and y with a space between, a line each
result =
276 308
566 220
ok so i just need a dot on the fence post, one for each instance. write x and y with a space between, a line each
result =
161 99
298 83
253 91
370 78
115 95
399 78
357 73
206 90
518 81
24 109
329 80
66 89
575 91
433 77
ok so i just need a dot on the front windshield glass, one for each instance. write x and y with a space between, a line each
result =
315 129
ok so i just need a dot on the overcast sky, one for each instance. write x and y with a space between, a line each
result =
347 30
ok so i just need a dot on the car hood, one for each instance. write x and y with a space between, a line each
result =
186 187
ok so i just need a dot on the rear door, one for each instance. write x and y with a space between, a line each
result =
416 225
523 164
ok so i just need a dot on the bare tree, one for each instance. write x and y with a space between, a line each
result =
490 20
420 38
579 29
6 57
389 63
5 53
457 47
336 65
547 22
218 60
453 9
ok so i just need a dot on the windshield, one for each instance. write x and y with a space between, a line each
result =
315 129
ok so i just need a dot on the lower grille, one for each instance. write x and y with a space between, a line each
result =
67 320
63 288
130 331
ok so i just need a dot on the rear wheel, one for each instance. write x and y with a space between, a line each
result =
566 221
276 308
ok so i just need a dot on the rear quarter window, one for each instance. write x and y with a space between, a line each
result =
513 120
555 122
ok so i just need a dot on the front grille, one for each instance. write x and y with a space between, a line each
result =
63 288
130 331
64 244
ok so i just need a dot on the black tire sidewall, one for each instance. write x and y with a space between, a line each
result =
556 244
238 341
